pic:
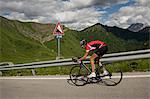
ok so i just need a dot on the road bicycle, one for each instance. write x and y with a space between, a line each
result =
79 72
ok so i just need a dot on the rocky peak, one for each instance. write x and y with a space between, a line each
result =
136 27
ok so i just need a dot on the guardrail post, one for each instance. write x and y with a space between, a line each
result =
33 72
1 74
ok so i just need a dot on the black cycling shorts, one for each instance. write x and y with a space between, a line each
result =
101 51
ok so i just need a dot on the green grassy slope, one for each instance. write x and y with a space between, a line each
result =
19 42
22 42
18 48
69 45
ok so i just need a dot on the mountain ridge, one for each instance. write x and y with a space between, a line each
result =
28 41
136 27
118 39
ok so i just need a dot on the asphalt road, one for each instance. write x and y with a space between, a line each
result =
133 86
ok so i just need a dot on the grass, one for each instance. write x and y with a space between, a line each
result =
134 65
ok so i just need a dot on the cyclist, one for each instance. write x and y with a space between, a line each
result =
99 48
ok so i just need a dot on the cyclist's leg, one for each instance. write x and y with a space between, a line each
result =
93 74
92 58
102 66
101 52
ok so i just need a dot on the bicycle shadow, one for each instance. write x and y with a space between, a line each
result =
101 83
70 82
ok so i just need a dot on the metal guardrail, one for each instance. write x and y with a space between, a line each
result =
6 63
64 62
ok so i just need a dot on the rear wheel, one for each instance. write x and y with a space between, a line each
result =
114 76
78 75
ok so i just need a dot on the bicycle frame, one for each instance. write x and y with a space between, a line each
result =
85 66
88 69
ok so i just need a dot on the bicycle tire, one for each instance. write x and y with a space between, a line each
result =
113 78
78 75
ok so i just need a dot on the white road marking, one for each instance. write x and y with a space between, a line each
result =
136 76
34 78
61 78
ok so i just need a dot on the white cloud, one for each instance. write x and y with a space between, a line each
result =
136 13
76 14
79 19
71 4
72 13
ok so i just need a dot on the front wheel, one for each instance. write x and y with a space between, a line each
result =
78 75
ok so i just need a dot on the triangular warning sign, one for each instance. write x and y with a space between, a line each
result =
58 30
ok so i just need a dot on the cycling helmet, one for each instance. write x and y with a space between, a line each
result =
83 43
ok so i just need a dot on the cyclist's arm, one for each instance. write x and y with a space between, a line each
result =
84 57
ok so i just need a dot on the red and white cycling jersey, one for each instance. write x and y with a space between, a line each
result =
93 45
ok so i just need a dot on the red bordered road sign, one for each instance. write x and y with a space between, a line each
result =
58 30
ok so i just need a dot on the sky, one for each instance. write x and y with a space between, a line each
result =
78 14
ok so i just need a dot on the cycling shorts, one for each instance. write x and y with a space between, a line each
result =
101 51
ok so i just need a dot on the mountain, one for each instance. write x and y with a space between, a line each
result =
145 30
117 39
136 27
23 42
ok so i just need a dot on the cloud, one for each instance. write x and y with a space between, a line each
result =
139 12
76 14
30 9
91 3
79 19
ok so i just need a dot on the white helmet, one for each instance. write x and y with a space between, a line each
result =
83 42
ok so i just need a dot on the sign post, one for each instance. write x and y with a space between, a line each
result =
58 32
